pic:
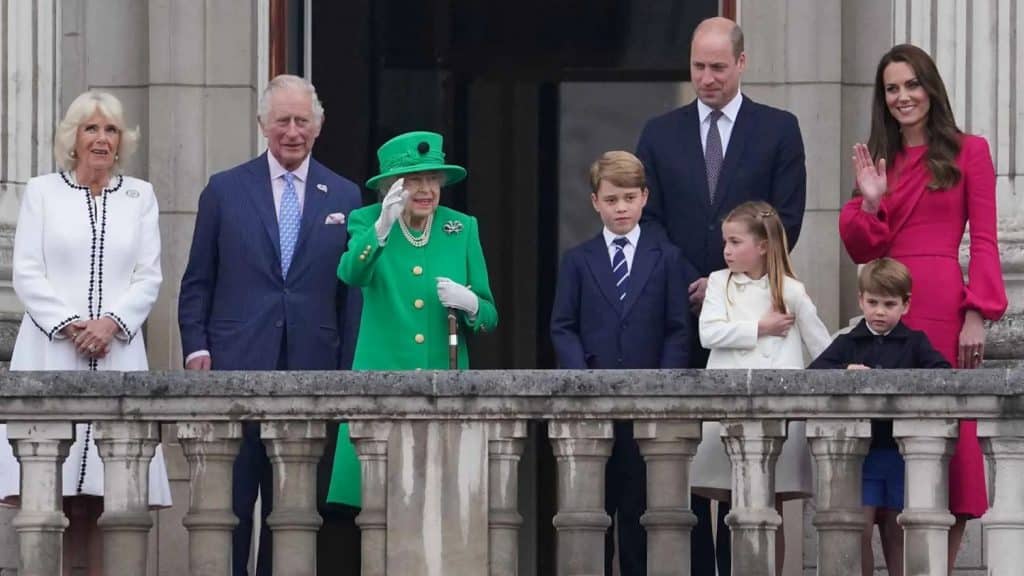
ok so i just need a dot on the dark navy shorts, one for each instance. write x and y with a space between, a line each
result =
884 477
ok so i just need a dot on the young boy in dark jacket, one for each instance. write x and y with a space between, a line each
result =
881 340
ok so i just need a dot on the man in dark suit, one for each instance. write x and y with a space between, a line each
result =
615 308
260 291
703 160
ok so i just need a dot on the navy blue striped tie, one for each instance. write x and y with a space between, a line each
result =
620 269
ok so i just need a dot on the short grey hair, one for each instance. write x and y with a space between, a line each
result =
80 110
289 81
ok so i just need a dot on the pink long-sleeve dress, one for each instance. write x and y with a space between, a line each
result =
922 228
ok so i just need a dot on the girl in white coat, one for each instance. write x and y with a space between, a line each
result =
756 314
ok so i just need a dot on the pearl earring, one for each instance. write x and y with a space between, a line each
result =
74 154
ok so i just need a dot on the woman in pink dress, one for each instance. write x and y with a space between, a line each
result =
914 210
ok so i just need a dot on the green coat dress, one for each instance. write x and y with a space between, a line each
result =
403 325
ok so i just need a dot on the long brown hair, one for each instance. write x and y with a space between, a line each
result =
940 126
763 222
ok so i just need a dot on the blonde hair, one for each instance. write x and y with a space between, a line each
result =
80 110
763 222
289 81
885 277
619 167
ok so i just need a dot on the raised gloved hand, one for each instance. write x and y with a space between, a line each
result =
391 210
455 295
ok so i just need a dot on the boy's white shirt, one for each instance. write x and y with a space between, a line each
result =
629 249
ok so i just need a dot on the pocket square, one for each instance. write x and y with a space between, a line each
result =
335 218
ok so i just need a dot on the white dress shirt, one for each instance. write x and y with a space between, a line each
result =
628 250
725 122
277 173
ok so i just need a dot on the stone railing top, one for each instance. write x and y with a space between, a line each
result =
708 394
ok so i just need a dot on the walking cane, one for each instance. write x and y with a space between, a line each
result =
453 340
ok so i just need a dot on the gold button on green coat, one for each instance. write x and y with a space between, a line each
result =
388 320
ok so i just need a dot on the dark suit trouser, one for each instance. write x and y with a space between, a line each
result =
703 552
625 501
252 475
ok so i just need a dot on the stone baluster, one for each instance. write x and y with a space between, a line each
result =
126 449
668 447
753 447
41 448
1003 441
927 446
581 449
371 442
504 449
294 449
839 447
210 448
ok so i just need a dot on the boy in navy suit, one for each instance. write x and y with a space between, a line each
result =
881 340
621 303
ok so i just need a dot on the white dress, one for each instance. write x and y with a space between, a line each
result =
728 327
79 257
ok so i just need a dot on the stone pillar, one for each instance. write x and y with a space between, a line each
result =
1003 442
504 449
294 449
927 446
200 87
581 449
667 447
753 447
371 441
126 449
29 111
41 448
210 448
839 447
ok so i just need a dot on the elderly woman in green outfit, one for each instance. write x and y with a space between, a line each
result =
413 259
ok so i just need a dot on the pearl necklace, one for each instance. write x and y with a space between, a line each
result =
423 239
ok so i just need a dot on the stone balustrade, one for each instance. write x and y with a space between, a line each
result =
484 415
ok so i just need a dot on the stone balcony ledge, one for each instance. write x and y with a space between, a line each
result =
521 394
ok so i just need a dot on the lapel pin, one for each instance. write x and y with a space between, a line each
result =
132 193
322 188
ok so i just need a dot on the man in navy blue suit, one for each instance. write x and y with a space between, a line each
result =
260 290
615 308
703 160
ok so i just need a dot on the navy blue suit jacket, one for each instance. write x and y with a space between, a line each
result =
764 161
234 301
591 328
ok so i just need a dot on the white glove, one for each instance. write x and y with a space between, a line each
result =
455 295
391 210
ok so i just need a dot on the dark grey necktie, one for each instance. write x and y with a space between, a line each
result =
713 155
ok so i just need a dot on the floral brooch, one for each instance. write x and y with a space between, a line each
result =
452 227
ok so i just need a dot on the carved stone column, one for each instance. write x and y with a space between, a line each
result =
126 449
504 449
210 448
294 449
41 448
839 447
581 449
927 446
753 446
668 447
371 442
1003 442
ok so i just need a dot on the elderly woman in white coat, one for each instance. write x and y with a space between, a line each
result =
86 268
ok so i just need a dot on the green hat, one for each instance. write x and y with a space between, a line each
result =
414 152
